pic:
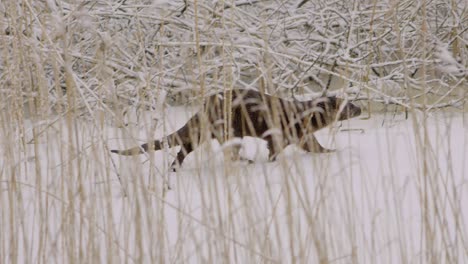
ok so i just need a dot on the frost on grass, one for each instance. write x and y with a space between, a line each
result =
126 53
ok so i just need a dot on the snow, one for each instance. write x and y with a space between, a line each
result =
381 197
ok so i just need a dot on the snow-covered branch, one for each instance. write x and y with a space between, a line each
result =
135 49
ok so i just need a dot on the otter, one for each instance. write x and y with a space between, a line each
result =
278 121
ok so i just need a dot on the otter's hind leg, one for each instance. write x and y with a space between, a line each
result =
232 151
311 144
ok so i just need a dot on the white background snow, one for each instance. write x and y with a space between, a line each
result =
371 201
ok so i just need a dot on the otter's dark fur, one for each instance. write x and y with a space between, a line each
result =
280 122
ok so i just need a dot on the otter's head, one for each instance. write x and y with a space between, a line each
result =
329 109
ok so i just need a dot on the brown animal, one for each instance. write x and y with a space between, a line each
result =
280 122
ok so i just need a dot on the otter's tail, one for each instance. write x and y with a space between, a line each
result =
156 145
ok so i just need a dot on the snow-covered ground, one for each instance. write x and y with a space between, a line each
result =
393 192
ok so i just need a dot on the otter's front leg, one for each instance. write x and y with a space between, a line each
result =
184 151
275 146
232 153
310 143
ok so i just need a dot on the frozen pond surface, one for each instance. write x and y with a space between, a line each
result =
387 195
